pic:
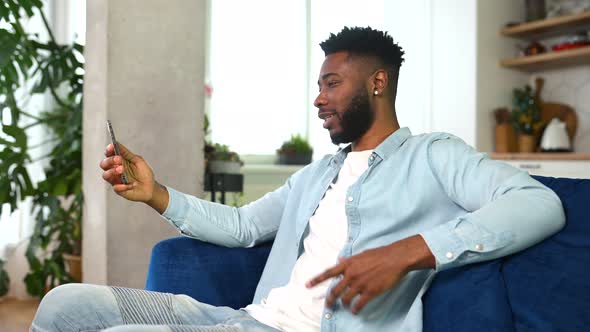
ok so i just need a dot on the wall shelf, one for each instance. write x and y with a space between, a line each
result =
549 60
551 27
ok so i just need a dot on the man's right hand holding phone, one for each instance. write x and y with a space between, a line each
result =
142 186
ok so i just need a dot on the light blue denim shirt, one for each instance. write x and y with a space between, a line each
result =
467 207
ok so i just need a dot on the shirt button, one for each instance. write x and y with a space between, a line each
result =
328 315
350 199
371 158
479 247
449 255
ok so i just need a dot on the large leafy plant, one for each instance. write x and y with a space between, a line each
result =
30 65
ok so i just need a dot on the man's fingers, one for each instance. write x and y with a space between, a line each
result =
110 162
111 176
109 151
362 301
350 294
119 188
329 273
335 292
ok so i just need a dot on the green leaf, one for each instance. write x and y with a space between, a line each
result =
35 282
8 46
61 187
19 135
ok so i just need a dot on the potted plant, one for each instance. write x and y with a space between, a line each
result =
35 66
220 159
526 118
4 280
295 151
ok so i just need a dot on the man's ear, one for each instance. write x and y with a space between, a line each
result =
380 81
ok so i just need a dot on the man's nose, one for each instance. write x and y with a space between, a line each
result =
320 100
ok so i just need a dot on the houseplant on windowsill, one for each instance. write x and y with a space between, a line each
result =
526 118
28 66
295 151
220 159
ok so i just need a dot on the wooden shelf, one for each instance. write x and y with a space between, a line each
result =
549 60
551 27
540 156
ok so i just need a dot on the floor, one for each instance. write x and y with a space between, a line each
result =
16 315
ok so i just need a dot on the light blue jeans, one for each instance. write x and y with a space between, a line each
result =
84 307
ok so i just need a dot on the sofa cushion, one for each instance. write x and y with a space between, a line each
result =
468 298
211 274
548 284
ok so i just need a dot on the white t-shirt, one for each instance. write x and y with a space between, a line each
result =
294 307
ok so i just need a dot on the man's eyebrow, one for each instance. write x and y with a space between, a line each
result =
326 76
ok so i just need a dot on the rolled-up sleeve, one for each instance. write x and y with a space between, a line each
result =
506 209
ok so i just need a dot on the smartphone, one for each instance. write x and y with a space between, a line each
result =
116 145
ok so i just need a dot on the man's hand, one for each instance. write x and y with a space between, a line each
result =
142 186
373 272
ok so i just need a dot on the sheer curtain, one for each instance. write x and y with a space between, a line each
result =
68 21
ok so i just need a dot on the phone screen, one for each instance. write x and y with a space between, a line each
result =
116 145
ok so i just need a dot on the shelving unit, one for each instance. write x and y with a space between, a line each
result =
542 29
550 27
549 60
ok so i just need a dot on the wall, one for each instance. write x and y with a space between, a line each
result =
144 72
453 68
494 83
570 86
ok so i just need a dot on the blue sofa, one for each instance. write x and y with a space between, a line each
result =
543 288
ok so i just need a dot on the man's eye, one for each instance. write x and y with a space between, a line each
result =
332 84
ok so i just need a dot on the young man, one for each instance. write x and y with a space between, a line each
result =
357 235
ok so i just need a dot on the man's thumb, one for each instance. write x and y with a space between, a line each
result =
126 153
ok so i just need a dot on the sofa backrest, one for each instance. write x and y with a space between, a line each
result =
543 288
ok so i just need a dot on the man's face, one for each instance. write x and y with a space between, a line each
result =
343 102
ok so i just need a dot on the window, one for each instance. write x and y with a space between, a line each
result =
263 68
257 73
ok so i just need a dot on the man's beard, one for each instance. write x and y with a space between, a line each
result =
355 120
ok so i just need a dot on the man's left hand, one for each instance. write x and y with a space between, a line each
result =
373 272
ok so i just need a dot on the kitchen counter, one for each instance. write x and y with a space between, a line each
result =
540 156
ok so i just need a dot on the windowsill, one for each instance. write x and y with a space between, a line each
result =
259 164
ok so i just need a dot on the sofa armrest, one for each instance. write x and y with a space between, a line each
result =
209 273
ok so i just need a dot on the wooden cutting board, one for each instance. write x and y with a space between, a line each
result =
550 110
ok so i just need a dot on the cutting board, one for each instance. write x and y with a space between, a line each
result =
550 110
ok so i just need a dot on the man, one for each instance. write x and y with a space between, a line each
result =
358 235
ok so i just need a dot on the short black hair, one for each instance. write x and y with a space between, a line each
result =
365 41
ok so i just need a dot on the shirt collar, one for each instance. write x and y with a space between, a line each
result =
390 145
383 150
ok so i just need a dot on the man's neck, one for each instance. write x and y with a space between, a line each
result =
379 131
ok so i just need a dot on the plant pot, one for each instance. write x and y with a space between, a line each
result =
294 158
74 266
527 143
224 166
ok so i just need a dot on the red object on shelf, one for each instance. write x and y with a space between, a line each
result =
569 46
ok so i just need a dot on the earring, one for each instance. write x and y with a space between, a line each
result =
376 92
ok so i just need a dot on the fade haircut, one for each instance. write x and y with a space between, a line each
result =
368 42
